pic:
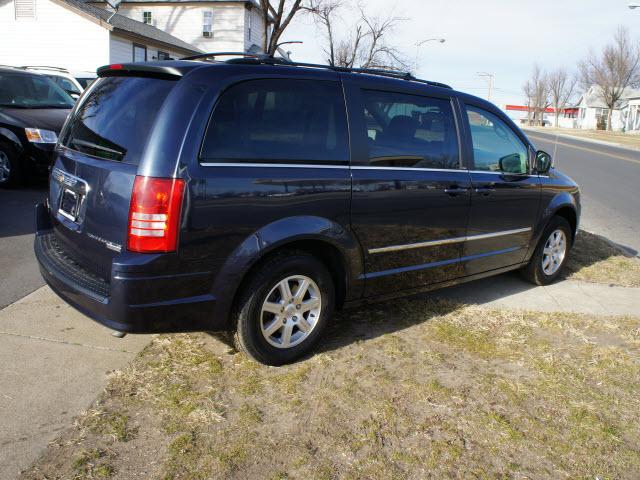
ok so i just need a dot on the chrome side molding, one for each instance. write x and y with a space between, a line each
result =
446 241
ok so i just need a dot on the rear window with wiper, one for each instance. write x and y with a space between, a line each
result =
115 120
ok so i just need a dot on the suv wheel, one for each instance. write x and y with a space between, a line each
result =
9 171
284 308
551 253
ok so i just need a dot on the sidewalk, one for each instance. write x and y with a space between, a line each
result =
509 291
54 363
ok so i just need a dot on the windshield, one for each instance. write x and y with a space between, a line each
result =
19 90
116 118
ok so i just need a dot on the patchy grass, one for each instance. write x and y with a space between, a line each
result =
593 259
426 389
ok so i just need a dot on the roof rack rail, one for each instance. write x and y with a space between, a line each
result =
264 59
44 67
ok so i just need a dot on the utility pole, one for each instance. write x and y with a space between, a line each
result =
489 78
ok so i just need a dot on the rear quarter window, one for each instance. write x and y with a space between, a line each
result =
115 120
278 121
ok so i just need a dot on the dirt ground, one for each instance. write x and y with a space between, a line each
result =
409 389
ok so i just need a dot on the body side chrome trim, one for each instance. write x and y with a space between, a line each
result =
447 241
424 266
414 169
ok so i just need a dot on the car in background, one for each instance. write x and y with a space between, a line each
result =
33 110
74 83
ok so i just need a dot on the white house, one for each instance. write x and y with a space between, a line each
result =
630 113
593 111
210 25
79 36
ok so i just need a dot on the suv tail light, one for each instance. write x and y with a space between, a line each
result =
154 214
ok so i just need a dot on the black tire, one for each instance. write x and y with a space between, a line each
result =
534 271
249 316
14 177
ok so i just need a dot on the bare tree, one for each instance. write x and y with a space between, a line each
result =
614 69
561 89
366 46
279 17
536 90
323 12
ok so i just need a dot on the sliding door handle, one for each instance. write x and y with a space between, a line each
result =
455 190
485 190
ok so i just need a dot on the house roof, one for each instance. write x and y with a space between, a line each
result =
592 98
127 25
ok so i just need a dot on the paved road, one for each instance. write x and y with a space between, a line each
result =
19 273
609 178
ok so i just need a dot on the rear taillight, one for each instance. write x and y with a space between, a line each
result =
154 215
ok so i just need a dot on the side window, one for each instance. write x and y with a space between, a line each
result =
278 121
495 146
410 131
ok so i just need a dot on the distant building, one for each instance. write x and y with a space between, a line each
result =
567 118
630 113
209 25
79 36
593 114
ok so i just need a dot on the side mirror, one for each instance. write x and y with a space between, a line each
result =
544 162
512 164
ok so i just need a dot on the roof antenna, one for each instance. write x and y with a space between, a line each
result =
113 4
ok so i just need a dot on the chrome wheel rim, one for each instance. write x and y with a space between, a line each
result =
291 311
554 252
5 167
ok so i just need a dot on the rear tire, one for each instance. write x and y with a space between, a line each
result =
550 254
10 168
284 307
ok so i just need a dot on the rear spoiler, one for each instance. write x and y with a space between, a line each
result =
139 70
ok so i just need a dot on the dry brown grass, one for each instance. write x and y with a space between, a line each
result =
594 259
623 139
417 389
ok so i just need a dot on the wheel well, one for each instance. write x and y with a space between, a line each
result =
569 215
329 255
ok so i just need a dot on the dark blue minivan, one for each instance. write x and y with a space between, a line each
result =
257 195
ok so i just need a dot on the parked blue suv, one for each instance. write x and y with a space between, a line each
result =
257 195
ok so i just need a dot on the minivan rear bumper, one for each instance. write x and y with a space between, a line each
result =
128 300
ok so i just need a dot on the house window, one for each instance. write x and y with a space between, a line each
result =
207 23
163 55
139 53
25 9
146 18
250 25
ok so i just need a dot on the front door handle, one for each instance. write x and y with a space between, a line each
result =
485 190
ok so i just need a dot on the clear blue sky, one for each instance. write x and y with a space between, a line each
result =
504 37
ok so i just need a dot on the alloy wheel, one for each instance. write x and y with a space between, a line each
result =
291 311
5 167
555 249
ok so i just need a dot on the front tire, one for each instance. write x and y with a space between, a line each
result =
551 254
10 172
284 307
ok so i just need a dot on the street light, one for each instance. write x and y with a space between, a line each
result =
422 42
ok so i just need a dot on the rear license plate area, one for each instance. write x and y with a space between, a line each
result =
69 204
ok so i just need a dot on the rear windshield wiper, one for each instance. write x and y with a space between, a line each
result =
110 153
